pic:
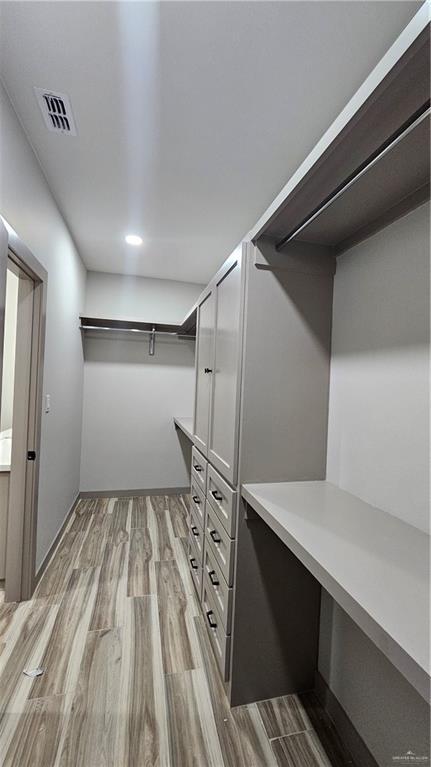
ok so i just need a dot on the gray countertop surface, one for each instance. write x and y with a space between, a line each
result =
374 565
186 425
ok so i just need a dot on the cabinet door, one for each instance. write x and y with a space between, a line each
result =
204 368
224 414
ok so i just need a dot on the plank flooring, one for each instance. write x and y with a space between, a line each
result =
129 678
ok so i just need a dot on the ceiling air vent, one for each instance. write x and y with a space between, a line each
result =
56 111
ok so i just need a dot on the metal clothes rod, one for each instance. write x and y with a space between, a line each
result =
370 164
137 330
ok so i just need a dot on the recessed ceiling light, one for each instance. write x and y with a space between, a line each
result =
133 239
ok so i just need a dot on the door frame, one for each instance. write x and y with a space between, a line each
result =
21 567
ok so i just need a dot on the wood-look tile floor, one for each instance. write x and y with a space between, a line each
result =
129 677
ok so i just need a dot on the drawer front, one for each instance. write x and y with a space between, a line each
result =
199 469
195 568
219 640
218 588
197 502
223 500
196 533
221 545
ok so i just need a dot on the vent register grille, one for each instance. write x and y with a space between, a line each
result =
56 111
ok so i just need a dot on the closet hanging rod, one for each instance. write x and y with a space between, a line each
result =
137 330
416 120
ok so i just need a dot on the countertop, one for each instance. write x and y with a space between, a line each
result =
186 426
5 451
373 564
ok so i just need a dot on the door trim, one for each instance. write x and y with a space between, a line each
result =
3 271
21 568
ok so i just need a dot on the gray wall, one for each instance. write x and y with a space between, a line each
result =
129 441
390 716
28 206
379 396
378 449
122 297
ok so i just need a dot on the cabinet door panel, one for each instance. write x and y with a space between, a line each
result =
204 361
223 437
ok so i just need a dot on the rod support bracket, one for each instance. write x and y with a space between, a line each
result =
152 342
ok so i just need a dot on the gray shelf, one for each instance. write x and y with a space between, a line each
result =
103 323
186 426
398 182
94 324
393 97
373 564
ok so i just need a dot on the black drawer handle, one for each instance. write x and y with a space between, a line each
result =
216 495
194 566
212 624
195 531
208 370
212 534
197 467
213 580
196 499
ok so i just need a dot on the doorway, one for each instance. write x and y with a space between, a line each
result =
21 409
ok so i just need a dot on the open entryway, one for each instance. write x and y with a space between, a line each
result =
22 297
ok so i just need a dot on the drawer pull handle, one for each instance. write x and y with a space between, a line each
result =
215 533
194 566
195 531
216 495
213 625
213 580
208 370
197 467
196 499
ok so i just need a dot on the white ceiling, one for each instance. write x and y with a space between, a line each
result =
191 116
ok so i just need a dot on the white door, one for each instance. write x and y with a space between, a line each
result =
224 418
204 370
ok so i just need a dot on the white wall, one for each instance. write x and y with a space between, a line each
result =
28 206
128 439
8 376
378 449
121 297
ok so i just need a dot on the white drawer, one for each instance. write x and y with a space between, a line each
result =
197 501
196 533
218 587
199 469
219 640
195 567
223 500
221 545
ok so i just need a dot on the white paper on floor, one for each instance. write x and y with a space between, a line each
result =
33 672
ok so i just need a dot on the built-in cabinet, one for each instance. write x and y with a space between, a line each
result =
263 363
204 368
212 552
218 366
225 389
264 354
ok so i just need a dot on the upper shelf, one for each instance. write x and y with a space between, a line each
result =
98 323
373 163
373 564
